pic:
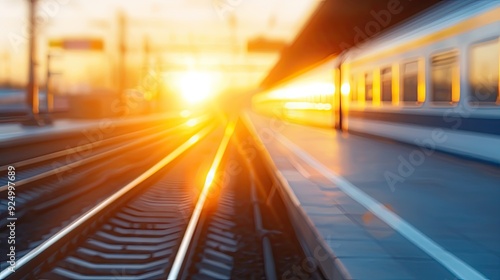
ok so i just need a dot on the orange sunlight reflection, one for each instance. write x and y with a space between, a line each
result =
192 122
218 157
194 139
210 178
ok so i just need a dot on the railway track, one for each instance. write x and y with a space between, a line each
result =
44 203
177 220
48 254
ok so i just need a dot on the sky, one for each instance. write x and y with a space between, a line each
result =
168 24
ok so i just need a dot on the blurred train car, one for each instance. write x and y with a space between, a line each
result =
432 81
307 98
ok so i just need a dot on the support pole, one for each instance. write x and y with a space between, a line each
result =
49 100
339 94
339 125
32 100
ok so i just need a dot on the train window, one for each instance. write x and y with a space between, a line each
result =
386 81
484 72
369 86
444 69
410 81
354 89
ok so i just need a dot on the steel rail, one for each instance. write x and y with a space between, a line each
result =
267 250
195 217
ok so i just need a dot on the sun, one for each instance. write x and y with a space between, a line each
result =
196 87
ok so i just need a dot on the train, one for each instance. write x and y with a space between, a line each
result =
431 80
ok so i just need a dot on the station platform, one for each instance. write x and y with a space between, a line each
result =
376 213
12 134
18 132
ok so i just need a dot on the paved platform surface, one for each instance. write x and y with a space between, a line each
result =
438 220
13 131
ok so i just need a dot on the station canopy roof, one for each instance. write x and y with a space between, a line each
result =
337 25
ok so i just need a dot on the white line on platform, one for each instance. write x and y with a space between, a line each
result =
458 267
299 167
